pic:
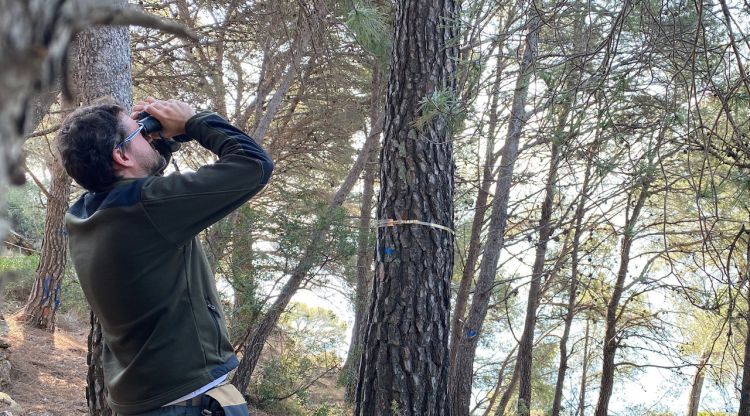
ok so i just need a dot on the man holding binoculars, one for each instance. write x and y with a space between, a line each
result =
134 247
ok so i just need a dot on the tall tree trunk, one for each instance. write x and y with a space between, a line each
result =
364 250
44 299
480 211
462 366
507 394
526 344
584 373
255 342
404 367
573 286
500 379
103 69
611 339
745 389
697 386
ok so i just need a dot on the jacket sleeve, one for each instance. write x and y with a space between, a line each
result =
182 205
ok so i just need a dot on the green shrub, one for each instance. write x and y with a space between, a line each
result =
17 276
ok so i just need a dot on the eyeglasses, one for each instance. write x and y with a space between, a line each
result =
130 137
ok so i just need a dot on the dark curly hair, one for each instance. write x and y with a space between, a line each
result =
86 141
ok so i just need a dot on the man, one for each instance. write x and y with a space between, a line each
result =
134 247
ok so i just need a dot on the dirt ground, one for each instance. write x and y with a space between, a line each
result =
48 369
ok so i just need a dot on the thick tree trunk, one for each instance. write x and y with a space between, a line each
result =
611 339
44 300
103 68
404 367
364 251
255 342
462 366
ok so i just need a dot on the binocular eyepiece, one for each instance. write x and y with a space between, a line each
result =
149 124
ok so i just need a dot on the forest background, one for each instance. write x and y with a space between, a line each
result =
601 158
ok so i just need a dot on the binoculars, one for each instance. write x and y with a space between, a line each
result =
149 124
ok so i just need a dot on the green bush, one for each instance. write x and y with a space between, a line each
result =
17 276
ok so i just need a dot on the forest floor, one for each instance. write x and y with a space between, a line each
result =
48 373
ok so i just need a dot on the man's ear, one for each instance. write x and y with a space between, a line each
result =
121 159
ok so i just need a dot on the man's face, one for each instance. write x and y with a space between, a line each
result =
147 158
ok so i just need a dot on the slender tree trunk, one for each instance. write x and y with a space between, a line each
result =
745 389
508 393
480 211
573 287
462 366
404 367
525 348
481 205
255 342
364 251
611 339
697 386
103 69
44 299
500 379
584 374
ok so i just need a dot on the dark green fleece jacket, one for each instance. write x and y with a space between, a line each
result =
146 277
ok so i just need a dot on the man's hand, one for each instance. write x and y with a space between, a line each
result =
172 114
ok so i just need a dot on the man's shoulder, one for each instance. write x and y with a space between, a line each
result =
125 193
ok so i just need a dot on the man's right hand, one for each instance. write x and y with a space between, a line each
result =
172 114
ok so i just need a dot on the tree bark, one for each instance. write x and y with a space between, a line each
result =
507 394
364 251
745 388
404 366
611 340
44 299
103 68
697 386
462 366
584 374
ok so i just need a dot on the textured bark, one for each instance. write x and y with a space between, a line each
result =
462 366
96 392
364 251
103 68
44 299
255 342
404 366
611 339
697 386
